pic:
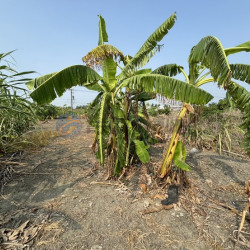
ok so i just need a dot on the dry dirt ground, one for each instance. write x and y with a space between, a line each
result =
58 198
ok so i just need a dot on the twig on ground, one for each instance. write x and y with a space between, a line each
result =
13 163
122 174
209 206
233 210
39 173
229 152
104 183
242 221
241 243
156 209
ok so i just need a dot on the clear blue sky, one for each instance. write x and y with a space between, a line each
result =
50 35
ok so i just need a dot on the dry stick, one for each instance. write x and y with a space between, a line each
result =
13 163
219 208
233 153
14 244
39 173
156 209
104 183
242 221
122 174
242 243
34 235
233 210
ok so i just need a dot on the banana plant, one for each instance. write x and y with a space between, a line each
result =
208 62
115 126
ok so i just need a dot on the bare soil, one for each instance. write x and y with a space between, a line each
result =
58 198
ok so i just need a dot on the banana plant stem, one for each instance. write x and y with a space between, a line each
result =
166 165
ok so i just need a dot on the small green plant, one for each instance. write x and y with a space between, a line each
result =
48 111
152 111
215 129
165 110
155 110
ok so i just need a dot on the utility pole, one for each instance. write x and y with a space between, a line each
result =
72 98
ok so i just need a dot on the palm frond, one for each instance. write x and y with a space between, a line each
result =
242 47
168 87
149 48
195 71
93 110
210 53
168 70
109 72
49 88
158 35
143 71
34 83
95 87
241 72
143 96
143 131
95 57
141 151
241 97
103 36
96 101
180 157
137 62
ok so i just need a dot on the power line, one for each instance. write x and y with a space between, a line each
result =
89 91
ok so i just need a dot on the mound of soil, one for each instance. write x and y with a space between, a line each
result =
58 199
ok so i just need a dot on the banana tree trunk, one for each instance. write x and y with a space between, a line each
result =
113 147
93 146
167 163
136 103
126 113
145 112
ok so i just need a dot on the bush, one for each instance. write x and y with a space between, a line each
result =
152 111
16 113
47 112
166 110
155 110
